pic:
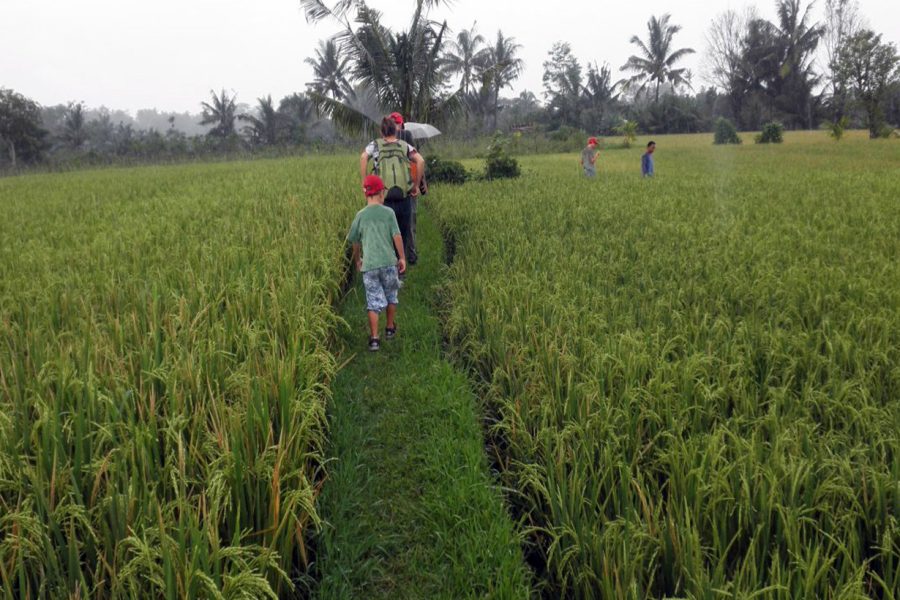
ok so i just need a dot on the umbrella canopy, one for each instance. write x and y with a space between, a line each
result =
421 131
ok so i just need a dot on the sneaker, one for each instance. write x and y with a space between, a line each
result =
390 332
374 345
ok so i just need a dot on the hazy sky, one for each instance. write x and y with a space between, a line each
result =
168 54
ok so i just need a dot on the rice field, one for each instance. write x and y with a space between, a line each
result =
693 381
164 373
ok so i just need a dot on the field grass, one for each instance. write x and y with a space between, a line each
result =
692 383
694 380
164 374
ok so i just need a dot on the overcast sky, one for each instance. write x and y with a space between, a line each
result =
168 54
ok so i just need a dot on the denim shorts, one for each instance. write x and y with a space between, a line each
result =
381 286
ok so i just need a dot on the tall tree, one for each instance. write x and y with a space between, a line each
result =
724 57
21 135
563 85
797 39
220 113
330 69
599 95
501 68
465 56
73 133
401 69
869 67
264 126
656 63
297 112
842 21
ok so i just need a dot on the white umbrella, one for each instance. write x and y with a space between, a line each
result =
421 131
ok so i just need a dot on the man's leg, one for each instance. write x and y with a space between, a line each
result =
412 251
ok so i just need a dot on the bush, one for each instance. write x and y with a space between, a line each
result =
725 132
438 170
772 133
837 128
886 132
498 163
628 131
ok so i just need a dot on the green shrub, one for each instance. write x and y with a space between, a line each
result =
837 128
725 132
772 133
498 163
439 170
628 131
886 132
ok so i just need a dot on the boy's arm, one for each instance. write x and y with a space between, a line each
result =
398 246
357 259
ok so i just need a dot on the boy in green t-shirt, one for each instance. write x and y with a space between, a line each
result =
375 236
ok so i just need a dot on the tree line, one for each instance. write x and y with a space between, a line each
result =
755 71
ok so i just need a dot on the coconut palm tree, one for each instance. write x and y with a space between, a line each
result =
501 68
656 64
465 56
401 70
264 126
220 113
330 69
797 39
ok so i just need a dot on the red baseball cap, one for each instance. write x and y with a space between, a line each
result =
397 117
373 184
592 140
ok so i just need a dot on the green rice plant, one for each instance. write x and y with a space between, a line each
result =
164 369
695 382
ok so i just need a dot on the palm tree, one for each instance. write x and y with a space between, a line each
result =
401 71
502 67
465 56
73 132
220 114
330 68
797 43
265 124
656 64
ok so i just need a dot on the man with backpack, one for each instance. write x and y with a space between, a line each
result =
391 159
412 251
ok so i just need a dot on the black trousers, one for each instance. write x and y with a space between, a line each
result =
403 210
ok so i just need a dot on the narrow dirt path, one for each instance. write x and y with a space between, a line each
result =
410 506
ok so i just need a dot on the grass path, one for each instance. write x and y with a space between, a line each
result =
411 509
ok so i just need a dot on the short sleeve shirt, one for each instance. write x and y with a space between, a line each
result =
372 150
374 229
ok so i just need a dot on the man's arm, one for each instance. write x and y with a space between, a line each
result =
398 246
420 171
357 259
363 165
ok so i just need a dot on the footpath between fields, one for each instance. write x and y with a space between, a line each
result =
410 507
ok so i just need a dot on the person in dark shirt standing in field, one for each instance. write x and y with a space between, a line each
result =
647 160
589 158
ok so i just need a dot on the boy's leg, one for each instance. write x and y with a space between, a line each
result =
391 313
373 322
390 282
375 298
